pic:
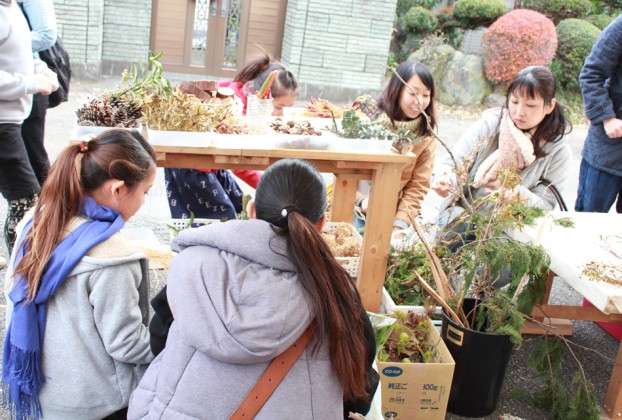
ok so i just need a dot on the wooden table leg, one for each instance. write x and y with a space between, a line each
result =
613 398
385 186
344 196
555 325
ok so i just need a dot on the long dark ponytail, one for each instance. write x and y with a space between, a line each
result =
297 186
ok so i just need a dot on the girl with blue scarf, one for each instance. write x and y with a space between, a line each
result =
77 341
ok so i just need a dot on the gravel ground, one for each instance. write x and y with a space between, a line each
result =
592 346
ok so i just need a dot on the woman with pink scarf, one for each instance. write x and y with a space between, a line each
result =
525 135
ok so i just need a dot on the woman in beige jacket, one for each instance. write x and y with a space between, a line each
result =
399 107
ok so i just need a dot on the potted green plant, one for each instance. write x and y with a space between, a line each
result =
485 320
482 321
363 134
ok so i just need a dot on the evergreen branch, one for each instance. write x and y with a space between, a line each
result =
553 330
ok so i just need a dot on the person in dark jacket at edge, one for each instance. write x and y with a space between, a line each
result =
600 176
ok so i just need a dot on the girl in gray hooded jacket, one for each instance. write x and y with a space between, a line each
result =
77 341
242 292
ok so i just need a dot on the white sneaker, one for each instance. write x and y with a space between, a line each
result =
2 262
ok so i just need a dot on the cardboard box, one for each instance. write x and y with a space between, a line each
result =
418 390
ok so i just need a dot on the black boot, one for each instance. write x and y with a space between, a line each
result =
17 210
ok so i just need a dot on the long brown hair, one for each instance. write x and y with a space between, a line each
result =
257 70
389 99
296 185
539 81
79 170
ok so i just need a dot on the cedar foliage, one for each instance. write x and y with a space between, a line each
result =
547 360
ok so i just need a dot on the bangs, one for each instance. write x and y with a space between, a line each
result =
524 87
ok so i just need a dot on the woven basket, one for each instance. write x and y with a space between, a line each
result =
351 264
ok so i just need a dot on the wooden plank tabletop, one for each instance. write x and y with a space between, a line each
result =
592 239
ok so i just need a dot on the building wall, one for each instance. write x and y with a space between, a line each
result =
346 43
126 29
104 36
338 43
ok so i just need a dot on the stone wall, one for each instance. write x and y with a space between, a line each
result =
126 29
103 36
472 43
338 48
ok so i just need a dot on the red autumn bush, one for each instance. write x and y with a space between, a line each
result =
516 40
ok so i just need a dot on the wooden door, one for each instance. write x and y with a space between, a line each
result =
201 36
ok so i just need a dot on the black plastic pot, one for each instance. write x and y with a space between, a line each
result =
481 360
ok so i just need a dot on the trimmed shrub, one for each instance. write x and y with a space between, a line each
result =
450 27
558 10
428 4
600 21
404 6
516 40
474 13
419 21
576 38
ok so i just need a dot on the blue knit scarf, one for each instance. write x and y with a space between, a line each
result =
21 363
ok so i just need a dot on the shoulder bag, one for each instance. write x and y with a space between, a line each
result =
57 59
271 378
551 187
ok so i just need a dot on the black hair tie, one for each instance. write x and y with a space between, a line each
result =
287 210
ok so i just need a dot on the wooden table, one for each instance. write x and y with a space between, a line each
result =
595 237
382 168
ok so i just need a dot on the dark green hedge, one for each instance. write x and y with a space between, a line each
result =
575 40
600 21
558 10
419 21
474 13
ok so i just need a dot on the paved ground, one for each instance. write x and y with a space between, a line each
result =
594 348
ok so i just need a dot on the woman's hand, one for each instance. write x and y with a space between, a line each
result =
47 82
505 194
442 185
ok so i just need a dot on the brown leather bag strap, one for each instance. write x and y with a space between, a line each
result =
271 378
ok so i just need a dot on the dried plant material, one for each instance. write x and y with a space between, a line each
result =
158 260
121 107
179 111
606 272
613 245
294 127
112 111
322 108
566 222
342 242
204 90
